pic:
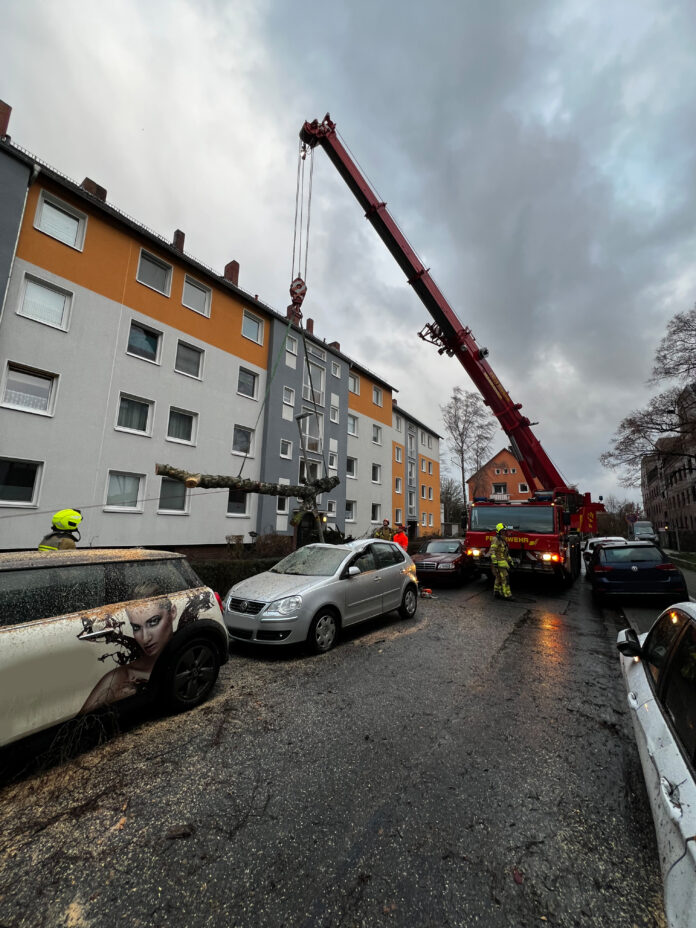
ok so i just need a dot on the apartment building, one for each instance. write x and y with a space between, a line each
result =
415 474
119 351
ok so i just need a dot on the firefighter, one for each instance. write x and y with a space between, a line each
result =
385 532
63 530
401 538
500 564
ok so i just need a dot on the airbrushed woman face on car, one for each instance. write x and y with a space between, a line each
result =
153 626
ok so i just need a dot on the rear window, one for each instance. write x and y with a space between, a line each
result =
628 555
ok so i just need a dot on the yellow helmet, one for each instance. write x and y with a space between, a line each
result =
67 520
499 527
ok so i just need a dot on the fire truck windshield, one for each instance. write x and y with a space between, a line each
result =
538 519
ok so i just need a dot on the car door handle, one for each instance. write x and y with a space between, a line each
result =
377 579
632 700
670 797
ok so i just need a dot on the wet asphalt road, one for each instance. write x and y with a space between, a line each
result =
472 766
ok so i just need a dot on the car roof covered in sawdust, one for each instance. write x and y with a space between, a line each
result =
28 560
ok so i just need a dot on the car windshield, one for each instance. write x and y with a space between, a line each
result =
311 562
625 554
537 519
440 547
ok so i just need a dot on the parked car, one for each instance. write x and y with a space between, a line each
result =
591 543
86 628
643 531
635 568
444 559
320 589
659 670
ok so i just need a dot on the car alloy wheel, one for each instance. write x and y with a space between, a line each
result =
323 632
409 603
191 674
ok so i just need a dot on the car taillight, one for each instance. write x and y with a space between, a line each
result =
670 567
219 601
600 569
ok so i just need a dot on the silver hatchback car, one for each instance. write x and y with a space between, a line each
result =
317 590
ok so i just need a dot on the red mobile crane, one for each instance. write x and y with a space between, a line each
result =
545 529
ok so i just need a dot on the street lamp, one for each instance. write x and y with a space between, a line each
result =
298 419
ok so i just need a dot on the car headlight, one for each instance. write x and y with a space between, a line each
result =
448 566
282 607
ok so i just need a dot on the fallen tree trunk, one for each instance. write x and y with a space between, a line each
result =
304 491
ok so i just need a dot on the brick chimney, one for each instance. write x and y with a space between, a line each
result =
309 325
5 110
335 345
178 240
92 187
232 272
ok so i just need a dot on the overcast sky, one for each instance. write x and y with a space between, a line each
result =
538 154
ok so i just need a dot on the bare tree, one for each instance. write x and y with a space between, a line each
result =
452 499
470 428
675 357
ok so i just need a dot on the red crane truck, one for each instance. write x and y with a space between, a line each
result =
544 532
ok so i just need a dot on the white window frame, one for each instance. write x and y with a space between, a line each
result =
237 515
424 519
353 510
163 265
397 423
111 507
523 488
376 431
282 505
333 460
174 512
197 285
44 284
377 396
289 397
398 456
146 328
33 372
201 354
255 394
430 441
352 419
150 414
252 440
424 493
398 516
287 456
291 344
252 317
422 437
309 465
354 381
333 414
318 377
335 369
379 473
331 508
48 198
423 466
430 468
398 486
194 426
316 351
430 520
354 475
375 513
430 493
34 501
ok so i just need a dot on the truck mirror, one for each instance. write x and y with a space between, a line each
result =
566 518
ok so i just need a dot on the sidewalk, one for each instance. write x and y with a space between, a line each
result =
689 572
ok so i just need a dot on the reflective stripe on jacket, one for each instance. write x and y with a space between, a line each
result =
500 555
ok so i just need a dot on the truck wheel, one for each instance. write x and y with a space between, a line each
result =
190 675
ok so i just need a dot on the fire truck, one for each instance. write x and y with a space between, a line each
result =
544 532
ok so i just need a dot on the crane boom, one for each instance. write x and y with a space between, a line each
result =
446 332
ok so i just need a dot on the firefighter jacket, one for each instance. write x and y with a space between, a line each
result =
385 533
500 555
57 541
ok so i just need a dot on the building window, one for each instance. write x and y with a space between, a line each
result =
196 296
316 351
331 508
243 440
499 489
377 396
182 426
247 383
354 384
252 327
430 468
333 414
398 485
423 491
124 491
411 444
155 274
144 342
376 513
333 460
397 453
430 520
19 481
497 470
237 503
422 437
430 492
397 423
351 467
189 360
430 444
513 470
313 383
505 470
134 414
60 221
288 396
312 428
44 303
173 496
291 344
282 505
411 503
285 448
310 471
423 465
411 473
32 391
376 473
351 510
377 434
523 488
352 424
424 519
335 369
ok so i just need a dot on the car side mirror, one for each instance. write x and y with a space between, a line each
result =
628 644
353 571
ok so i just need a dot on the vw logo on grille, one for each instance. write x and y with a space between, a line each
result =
243 605
634 569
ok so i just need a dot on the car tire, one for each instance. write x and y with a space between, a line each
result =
190 675
323 632
409 602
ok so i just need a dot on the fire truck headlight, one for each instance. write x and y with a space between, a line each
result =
473 552
546 556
